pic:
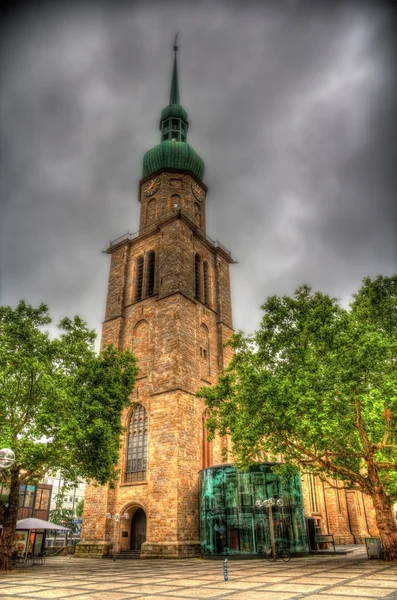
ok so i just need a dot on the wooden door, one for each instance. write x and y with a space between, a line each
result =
138 530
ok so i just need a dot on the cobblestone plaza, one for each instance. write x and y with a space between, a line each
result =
329 577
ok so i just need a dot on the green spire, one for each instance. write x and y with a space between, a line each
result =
173 122
173 152
174 92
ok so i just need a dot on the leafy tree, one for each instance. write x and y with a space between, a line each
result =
80 508
60 515
60 404
318 383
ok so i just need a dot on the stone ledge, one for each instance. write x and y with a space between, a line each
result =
91 549
170 550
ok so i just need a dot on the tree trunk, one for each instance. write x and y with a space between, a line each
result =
387 524
10 522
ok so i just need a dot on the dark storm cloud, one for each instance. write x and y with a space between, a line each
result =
291 104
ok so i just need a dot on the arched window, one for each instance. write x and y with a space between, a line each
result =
204 353
197 278
139 278
206 284
151 211
197 213
207 446
140 345
151 262
136 459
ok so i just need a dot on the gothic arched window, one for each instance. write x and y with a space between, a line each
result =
206 284
204 353
140 345
197 278
136 457
151 262
139 278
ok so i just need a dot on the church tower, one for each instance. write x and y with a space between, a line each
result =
169 302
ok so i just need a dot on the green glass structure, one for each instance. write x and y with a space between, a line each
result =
232 523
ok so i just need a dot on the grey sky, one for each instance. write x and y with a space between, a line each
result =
291 105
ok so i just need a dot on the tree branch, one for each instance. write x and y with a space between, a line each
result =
323 462
36 473
386 465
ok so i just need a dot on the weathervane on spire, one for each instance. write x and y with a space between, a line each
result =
175 44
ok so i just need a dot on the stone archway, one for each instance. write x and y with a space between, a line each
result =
138 530
133 530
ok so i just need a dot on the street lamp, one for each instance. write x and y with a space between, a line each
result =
7 458
117 518
269 503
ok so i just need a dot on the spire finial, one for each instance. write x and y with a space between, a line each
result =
175 42
174 93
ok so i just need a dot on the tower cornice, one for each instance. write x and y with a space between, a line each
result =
130 239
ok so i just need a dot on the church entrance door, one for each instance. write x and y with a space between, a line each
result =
138 529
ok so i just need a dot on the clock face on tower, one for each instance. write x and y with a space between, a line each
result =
151 187
198 192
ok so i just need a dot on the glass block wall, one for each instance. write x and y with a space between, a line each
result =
231 523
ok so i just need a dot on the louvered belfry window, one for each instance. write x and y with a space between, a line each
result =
197 282
151 261
206 288
136 462
139 278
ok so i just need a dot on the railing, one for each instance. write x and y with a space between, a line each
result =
132 236
125 236
217 244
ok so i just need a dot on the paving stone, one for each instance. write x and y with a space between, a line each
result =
334 579
380 583
358 592
295 587
20 589
260 596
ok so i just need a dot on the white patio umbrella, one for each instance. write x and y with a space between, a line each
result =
32 523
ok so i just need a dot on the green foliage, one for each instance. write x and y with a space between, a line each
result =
317 383
60 403
60 515
80 508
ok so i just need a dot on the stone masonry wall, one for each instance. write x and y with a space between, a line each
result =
346 514
168 332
